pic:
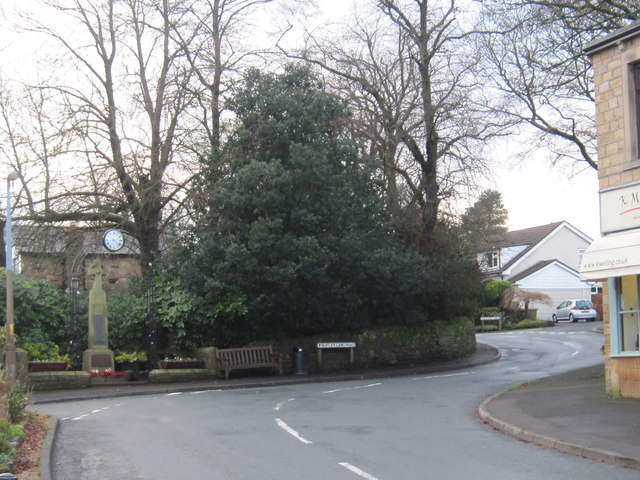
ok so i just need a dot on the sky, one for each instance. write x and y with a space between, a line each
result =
533 192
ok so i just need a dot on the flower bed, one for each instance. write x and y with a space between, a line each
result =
108 377
107 372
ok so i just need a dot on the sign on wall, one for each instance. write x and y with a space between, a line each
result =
620 208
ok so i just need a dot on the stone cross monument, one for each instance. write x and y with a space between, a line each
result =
97 356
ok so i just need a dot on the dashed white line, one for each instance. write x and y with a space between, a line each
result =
352 388
291 431
281 404
357 471
442 376
572 345
173 394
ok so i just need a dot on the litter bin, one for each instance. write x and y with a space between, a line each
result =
300 361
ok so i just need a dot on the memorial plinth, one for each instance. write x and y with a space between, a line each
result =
97 356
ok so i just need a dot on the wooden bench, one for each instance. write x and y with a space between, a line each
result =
228 359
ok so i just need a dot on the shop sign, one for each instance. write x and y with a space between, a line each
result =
620 208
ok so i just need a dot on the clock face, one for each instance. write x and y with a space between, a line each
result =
113 240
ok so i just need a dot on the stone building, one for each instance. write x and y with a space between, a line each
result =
615 257
58 255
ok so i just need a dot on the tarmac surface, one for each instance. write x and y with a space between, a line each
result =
570 412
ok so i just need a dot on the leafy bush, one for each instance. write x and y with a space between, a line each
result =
7 451
494 289
131 357
40 309
45 352
178 315
526 324
14 402
179 322
128 313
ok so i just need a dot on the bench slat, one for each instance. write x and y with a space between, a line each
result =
247 357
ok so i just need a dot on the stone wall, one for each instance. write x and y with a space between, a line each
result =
609 67
58 380
51 267
428 342
181 375
617 166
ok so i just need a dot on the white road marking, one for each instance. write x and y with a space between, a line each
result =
572 345
291 431
442 376
353 388
172 394
281 404
357 471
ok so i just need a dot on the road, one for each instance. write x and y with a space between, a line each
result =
403 428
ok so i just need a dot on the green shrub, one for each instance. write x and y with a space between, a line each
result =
15 402
494 289
7 451
41 310
526 324
130 357
45 352
128 314
17 431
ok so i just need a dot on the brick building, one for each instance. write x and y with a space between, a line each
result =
615 257
57 255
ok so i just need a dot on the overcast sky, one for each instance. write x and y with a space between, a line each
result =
533 192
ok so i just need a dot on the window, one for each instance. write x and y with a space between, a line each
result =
625 327
493 259
580 255
635 68
631 102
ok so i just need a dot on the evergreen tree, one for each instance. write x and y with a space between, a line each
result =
295 238
485 218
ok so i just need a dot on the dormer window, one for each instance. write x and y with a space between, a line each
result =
493 259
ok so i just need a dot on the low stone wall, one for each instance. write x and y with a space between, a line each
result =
58 380
208 355
181 375
428 342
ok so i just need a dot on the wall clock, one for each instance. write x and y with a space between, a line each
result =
113 240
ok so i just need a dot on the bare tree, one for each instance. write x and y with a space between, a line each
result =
111 142
214 45
537 63
412 78
114 135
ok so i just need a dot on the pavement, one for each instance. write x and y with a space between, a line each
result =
570 412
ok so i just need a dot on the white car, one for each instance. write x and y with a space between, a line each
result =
574 310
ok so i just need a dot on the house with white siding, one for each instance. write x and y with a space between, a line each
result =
543 259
